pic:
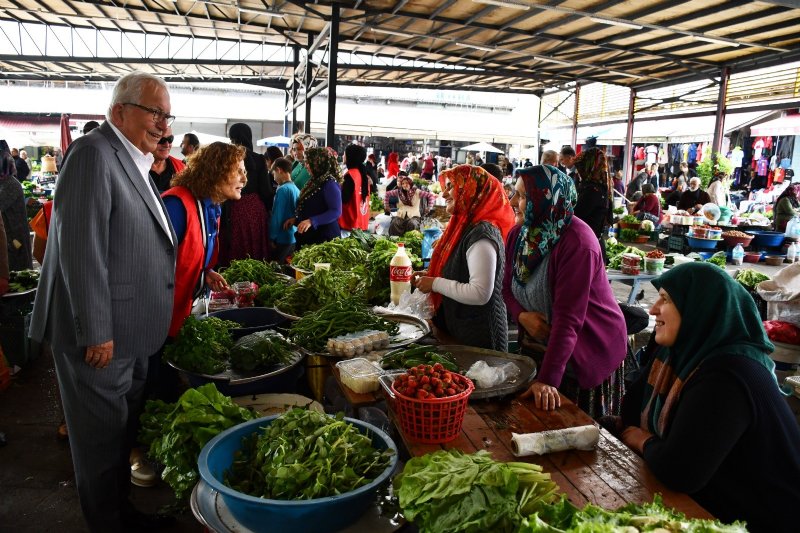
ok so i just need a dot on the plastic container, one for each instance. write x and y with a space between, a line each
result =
400 272
774 260
653 265
752 257
319 515
733 241
702 244
767 239
791 253
359 375
737 255
431 421
252 319
714 233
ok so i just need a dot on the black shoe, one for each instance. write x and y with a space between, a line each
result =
135 520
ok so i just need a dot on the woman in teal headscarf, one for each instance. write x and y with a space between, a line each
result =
707 415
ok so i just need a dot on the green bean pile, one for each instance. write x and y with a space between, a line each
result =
339 317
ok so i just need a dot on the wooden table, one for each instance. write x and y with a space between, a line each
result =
609 476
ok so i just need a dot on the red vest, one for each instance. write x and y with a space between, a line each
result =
355 214
191 254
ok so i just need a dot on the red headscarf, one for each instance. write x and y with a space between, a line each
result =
392 166
479 197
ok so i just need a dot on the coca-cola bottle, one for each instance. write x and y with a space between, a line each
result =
400 272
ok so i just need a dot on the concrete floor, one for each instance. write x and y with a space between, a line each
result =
37 489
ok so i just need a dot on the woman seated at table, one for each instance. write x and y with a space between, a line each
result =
649 205
707 414
412 204
319 205
555 287
466 268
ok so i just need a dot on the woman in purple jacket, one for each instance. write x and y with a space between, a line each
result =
320 203
555 287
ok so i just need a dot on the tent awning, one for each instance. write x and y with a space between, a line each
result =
787 125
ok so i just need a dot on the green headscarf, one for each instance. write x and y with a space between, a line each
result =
718 319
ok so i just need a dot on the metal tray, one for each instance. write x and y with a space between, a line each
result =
211 511
412 329
22 293
465 356
285 314
234 377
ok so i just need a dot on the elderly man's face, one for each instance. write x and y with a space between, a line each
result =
164 146
694 184
137 124
566 160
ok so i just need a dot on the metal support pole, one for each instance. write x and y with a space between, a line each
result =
295 63
333 52
575 117
628 165
538 133
719 123
307 125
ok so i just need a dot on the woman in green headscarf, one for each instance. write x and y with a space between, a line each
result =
707 415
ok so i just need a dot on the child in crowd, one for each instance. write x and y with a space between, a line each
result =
281 230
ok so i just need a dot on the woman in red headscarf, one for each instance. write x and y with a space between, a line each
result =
466 271
392 165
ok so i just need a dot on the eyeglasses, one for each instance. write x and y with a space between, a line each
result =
158 115
167 140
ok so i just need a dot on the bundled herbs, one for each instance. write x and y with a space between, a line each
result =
749 278
375 202
270 293
342 254
318 289
304 455
414 355
448 491
22 280
563 517
412 240
628 235
260 349
365 239
259 272
339 317
719 259
176 433
201 345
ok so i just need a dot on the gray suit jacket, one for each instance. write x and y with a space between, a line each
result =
109 267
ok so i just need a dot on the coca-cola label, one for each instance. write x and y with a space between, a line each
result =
400 273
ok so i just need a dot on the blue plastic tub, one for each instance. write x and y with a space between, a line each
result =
702 244
767 239
320 515
252 319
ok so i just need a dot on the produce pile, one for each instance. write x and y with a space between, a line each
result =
563 517
339 317
303 455
736 234
201 346
415 355
22 280
176 433
448 492
260 349
375 270
318 289
426 381
259 272
749 278
342 254
655 254
719 259
615 261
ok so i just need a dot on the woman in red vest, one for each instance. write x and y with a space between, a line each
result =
355 191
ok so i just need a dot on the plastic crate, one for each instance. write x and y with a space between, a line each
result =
679 230
678 244
18 348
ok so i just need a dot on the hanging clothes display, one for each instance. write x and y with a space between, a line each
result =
691 154
651 154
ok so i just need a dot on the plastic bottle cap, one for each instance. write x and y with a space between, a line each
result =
401 245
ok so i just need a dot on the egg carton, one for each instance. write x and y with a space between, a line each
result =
358 343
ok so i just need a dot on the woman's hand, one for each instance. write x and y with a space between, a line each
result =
635 438
304 226
216 282
544 396
289 223
424 283
535 325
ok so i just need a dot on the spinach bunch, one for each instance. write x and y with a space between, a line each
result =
304 455
175 433
201 345
260 349
448 492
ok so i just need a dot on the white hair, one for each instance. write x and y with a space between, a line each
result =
130 87
550 157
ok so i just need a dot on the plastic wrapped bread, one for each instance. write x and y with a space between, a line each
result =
557 440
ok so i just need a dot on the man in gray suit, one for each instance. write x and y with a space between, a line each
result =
105 296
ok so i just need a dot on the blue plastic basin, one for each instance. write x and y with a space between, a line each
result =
702 244
320 515
767 239
252 319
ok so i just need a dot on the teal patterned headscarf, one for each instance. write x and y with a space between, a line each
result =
551 202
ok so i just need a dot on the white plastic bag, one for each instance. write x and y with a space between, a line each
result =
415 303
381 224
782 294
486 376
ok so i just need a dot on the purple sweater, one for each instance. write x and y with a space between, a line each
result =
323 209
587 325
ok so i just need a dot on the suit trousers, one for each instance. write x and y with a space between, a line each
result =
97 404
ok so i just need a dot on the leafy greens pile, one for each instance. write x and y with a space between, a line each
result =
176 433
22 280
448 491
375 270
563 517
749 278
616 261
201 345
260 349
342 254
316 290
304 455
719 259
259 272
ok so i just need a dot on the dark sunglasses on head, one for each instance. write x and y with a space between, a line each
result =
165 140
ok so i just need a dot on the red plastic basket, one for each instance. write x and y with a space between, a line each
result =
431 421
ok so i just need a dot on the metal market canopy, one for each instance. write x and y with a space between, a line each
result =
492 45
481 147
788 125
